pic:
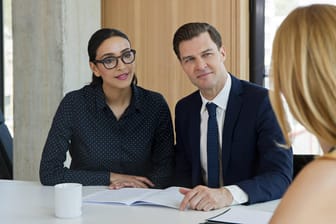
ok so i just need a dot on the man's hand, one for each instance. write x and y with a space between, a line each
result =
203 198
122 180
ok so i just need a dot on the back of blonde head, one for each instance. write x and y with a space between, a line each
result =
304 70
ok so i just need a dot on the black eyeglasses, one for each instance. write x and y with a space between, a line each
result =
111 62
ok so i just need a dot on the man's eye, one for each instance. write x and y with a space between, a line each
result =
109 60
207 54
187 60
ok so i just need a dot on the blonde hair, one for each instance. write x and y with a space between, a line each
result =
303 70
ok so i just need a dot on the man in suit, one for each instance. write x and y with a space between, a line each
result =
249 165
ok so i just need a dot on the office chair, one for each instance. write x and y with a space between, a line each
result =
6 151
300 161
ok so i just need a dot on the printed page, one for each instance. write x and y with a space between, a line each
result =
169 197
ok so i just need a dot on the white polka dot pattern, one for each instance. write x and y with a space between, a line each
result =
139 143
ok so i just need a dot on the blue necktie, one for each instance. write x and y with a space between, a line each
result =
212 147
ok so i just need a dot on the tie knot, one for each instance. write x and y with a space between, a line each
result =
211 107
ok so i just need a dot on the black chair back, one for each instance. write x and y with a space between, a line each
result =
6 151
300 161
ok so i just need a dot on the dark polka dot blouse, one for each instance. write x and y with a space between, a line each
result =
139 143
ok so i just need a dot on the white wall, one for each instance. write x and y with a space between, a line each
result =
49 59
81 18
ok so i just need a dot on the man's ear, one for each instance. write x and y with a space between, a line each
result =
223 52
94 69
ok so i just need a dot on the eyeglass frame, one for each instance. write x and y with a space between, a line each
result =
133 51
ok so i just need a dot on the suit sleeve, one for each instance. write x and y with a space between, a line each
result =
275 164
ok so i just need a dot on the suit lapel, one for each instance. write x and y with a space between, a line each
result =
231 116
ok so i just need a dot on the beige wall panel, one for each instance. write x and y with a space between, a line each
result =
150 24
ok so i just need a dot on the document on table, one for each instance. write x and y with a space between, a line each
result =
242 215
169 197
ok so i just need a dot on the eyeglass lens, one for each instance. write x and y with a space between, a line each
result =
111 62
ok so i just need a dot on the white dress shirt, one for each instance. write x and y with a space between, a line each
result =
221 100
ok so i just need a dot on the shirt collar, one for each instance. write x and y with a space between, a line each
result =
136 97
221 99
135 100
100 98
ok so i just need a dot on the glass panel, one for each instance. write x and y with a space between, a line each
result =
275 12
8 64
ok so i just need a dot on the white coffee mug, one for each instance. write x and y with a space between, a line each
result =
68 200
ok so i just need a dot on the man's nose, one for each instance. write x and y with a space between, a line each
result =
200 64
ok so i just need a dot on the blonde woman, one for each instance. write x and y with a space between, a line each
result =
304 72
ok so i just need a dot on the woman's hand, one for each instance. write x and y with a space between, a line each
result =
118 181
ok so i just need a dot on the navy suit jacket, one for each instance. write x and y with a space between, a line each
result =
251 157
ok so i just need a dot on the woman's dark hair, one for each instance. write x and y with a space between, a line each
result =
191 30
95 41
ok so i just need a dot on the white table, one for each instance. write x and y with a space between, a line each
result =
31 203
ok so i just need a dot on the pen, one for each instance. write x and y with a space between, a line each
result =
226 210
218 222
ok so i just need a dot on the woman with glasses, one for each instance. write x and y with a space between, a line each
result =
117 133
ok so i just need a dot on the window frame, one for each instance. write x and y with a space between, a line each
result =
257 41
2 75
